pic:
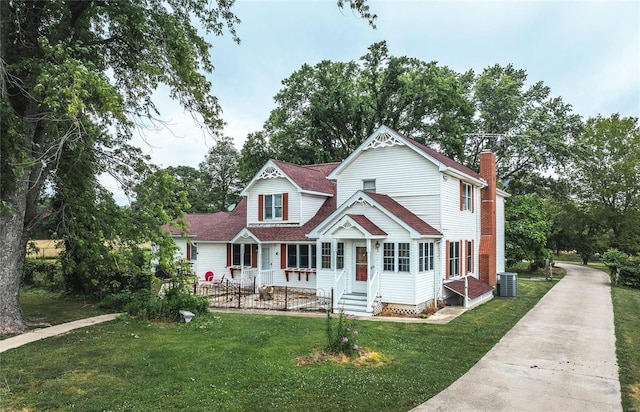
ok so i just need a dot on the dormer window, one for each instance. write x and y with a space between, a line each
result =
369 186
273 207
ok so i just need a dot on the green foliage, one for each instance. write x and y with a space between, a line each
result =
220 174
325 111
524 125
343 339
606 173
43 274
147 306
527 227
254 154
624 269
191 181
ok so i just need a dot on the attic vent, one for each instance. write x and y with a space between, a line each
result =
362 201
383 140
270 173
347 225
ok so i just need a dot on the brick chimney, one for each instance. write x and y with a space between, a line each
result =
487 265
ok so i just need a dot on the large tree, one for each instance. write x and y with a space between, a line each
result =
220 174
530 131
192 181
325 111
71 66
606 174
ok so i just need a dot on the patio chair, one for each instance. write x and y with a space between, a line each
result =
218 282
207 282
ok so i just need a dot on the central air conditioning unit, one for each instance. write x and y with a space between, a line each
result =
508 284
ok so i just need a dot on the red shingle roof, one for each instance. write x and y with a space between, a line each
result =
220 226
295 233
443 159
476 287
312 178
404 214
367 225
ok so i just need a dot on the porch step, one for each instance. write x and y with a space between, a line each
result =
354 304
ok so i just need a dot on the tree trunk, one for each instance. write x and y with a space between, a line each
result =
13 245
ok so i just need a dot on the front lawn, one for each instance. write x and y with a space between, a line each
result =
40 306
241 362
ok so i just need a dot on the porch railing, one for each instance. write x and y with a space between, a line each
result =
373 288
265 277
339 287
248 275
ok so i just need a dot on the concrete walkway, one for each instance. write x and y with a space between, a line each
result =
38 334
560 356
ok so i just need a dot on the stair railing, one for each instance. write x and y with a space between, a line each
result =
339 287
373 289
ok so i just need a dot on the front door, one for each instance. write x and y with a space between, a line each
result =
266 258
362 269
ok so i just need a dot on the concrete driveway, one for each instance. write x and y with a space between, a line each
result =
560 356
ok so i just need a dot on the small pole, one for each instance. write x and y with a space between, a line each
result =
286 298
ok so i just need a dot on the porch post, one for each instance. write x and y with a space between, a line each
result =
241 260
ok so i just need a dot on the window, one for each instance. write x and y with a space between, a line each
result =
193 252
469 256
301 256
340 256
273 206
236 253
454 259
388 256
396 257
466 200
326 255
425 256
369 186
403 257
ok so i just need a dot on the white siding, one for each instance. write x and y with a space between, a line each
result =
270 187
457 224
398 171
182 245
309 206
212 257
398 288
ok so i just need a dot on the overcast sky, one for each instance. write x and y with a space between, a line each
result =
587 52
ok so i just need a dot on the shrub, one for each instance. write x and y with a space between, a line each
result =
624 269
144 305
342 340
44 274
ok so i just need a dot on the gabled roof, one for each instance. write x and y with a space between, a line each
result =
390 207
404 214
294 233
368 225
310 179
219 226
385 136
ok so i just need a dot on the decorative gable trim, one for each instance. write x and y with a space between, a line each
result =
383 139
270 172
362 201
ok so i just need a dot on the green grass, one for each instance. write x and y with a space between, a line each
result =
626 302
239 362
40 306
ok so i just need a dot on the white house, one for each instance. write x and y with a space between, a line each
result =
396 224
